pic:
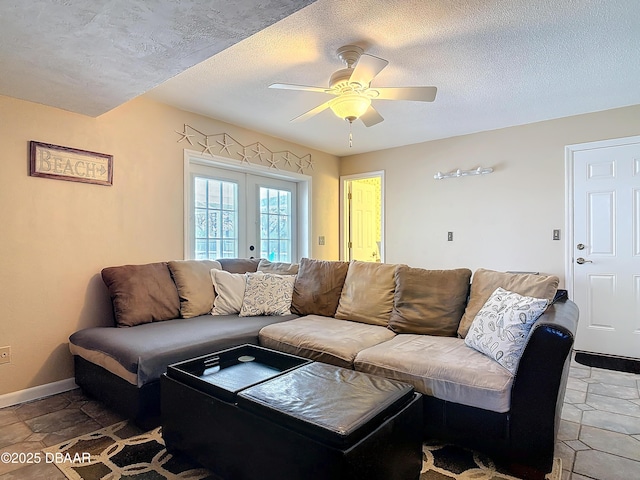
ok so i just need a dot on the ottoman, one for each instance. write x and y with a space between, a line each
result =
314 422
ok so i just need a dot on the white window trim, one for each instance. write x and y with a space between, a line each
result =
192 157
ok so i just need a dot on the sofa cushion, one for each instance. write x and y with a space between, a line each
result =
229 289
318 287
239 265
323 339
141 354
141 293
502 325
429 302
267 294
442 367
195 289
485 282
367 294
280 268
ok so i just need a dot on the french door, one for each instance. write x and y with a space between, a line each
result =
236 214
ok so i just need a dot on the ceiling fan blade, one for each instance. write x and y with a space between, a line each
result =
305 88
420 94
371 117
367 67
312 112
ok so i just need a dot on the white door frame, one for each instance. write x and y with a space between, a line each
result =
304 245
343 208
569 152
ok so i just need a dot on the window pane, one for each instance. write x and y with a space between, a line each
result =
200 193
264 200
285 231
215 218
214 194
275 224
201 222
285 255
229 196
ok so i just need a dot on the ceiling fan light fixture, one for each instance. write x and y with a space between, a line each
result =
350 106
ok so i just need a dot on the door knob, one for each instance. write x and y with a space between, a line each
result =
581 260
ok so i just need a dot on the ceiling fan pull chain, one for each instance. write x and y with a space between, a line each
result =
350 135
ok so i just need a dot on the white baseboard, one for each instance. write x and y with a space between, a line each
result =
34 393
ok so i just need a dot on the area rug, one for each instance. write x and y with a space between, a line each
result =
121 452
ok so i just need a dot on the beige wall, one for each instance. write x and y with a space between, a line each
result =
58 235
502 221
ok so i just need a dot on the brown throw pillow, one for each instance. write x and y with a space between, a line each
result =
367 295
429 302
141 293
239 265
485 282
195 288
318 287
281 268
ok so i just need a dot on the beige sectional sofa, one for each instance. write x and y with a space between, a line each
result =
489 384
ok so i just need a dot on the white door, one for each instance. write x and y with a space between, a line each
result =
606 246
363 216
271 218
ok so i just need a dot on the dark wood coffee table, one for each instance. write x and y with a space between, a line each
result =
254 413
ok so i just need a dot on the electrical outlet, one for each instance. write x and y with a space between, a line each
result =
5 354
449 236
556 234
321 240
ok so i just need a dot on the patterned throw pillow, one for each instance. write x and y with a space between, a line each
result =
502 325
267 294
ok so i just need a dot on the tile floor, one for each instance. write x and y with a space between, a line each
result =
599 437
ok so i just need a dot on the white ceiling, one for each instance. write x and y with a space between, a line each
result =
496 63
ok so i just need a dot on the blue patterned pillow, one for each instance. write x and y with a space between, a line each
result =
267 294
502 325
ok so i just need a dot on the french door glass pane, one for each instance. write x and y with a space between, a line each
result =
216 218
275 224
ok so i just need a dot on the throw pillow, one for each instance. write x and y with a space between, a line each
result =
318 287
485 282
141 293
429 302
267 294
502 325
367 294
281 268
239 265
195 290
229 292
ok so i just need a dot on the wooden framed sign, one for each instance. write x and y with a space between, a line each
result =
65 163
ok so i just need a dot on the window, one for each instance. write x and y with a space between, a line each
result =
275 224
216 218
234 212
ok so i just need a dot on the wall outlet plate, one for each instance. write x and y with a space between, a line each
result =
556 234
5 354
449 236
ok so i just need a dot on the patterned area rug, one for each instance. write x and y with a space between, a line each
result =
121 452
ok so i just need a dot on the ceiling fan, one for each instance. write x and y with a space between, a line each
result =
352 89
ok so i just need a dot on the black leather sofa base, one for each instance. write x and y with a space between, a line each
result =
236 443
140 404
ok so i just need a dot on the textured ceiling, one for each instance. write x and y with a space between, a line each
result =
496 63
89 56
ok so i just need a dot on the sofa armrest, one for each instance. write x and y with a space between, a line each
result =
539 385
